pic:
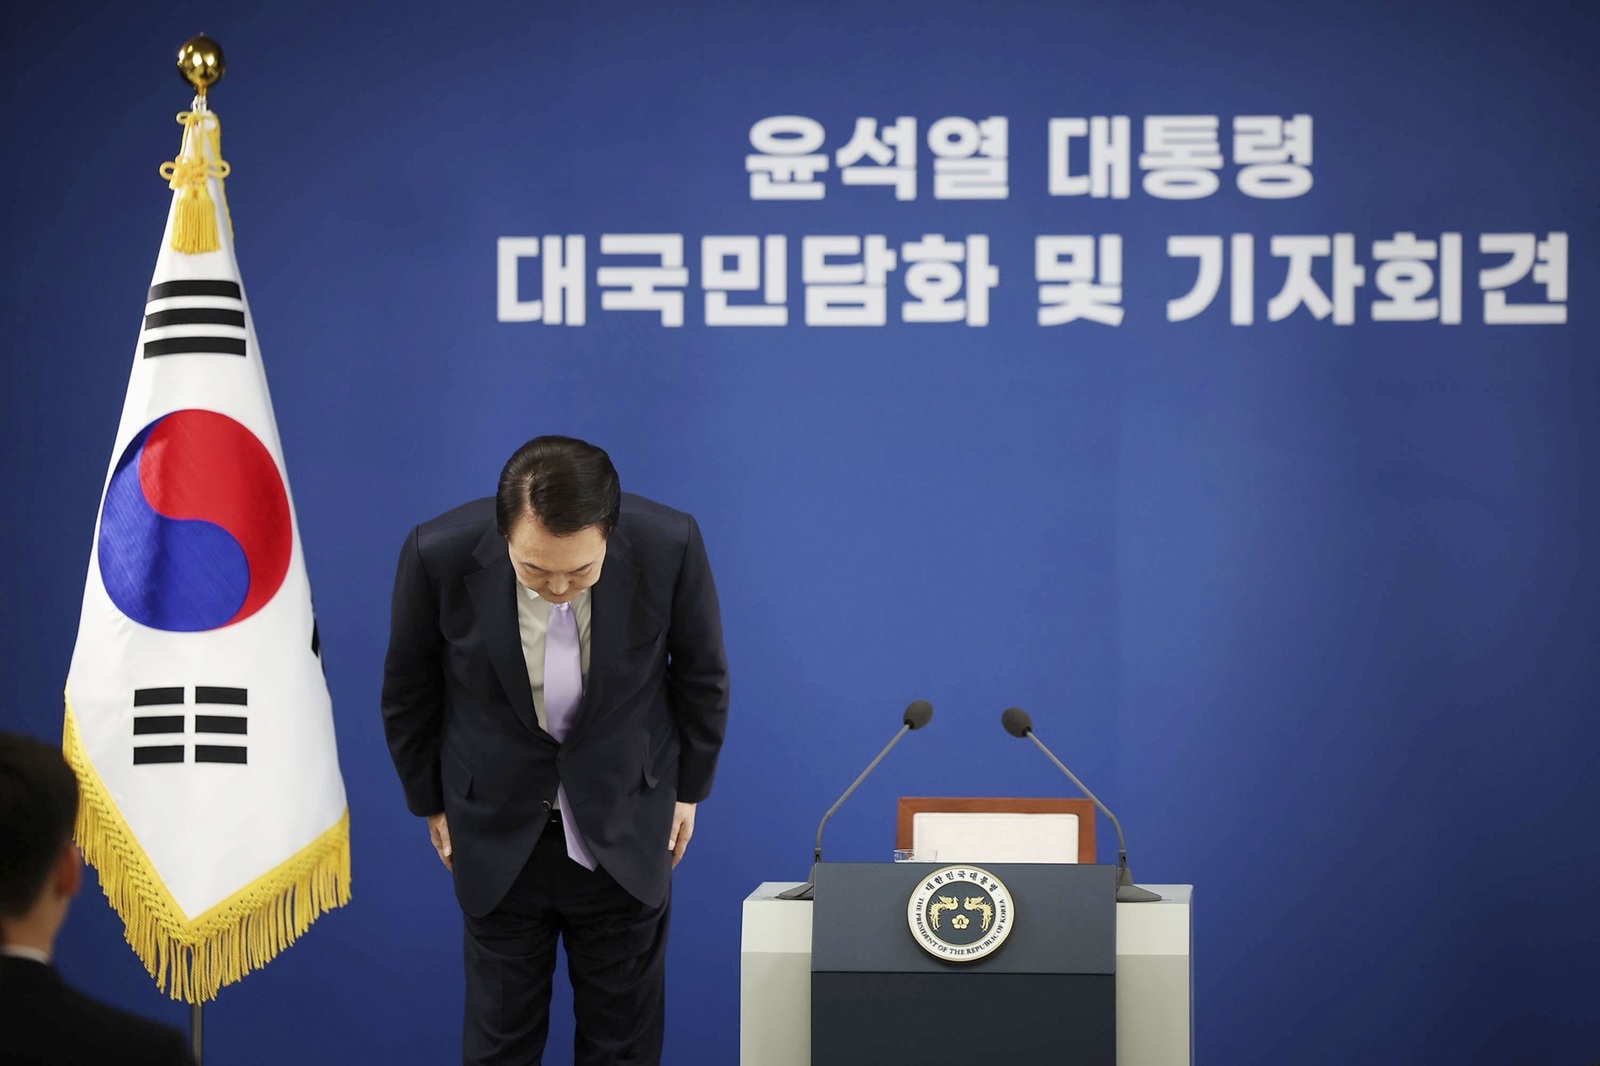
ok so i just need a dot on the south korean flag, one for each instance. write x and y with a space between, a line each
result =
198 718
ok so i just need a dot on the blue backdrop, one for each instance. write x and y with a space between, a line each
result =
1311 605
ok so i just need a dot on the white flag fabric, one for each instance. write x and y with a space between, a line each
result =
197 715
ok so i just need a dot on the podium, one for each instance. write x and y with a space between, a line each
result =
852 992
1045 993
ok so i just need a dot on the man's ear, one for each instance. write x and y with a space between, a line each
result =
67 876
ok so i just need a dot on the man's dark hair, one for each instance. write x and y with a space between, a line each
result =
38 806
567 484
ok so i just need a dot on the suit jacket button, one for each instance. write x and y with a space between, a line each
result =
545 804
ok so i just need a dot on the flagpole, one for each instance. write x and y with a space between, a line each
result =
201 64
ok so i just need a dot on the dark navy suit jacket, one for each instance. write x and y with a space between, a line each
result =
44 1021
458 708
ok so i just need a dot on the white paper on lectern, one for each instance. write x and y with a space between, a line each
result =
996 836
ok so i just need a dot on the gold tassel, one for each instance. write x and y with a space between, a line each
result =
214 128
191 960
194 225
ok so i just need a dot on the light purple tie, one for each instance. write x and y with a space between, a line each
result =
563 692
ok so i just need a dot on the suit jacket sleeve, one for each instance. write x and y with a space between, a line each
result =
413 682
697 671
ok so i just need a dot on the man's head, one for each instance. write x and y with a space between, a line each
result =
557 504
39 869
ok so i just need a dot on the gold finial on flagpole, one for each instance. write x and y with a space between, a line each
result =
194 222
200 63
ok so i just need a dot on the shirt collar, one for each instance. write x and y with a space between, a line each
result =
533 597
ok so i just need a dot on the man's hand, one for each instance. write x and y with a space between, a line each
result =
682 830
439 833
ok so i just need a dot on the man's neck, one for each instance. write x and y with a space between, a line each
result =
27 938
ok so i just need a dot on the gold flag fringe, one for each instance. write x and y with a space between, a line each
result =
192 959
194 224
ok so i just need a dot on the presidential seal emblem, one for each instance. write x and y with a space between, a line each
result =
960 913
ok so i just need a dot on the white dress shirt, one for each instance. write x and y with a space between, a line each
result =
22 951
533 618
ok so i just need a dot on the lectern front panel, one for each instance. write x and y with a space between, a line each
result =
1065 919
916 1019
1047 993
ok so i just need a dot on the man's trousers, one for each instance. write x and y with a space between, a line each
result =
616 960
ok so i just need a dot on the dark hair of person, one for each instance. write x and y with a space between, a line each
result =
567 484
38 806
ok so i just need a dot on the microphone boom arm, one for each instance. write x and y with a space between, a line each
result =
1127 891
816 854
1122 845
805 891
916 716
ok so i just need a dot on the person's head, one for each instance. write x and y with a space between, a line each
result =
39 871
556 506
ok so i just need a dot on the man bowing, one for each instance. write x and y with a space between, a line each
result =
554 696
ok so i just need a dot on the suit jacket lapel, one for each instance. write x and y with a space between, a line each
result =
610 606
494 600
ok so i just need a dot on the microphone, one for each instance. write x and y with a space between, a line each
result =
1018 724
917 715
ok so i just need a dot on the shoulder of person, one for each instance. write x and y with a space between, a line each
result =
648 524
84 1026
458 530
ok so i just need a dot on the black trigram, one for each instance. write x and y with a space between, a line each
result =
216 305
157 720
